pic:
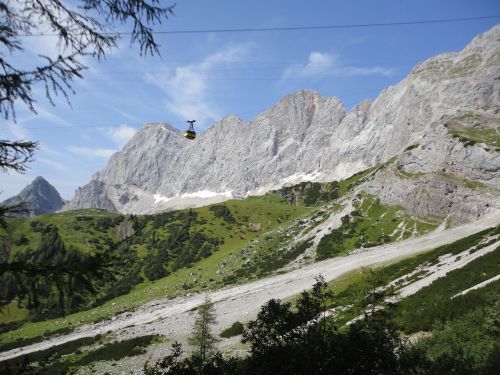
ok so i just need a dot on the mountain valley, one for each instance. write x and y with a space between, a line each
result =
399 196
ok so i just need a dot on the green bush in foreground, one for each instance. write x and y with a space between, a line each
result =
296 340
235 330
286 339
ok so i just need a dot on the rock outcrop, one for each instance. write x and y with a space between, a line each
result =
437 127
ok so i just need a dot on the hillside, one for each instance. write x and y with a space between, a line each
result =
172 317
206 248
240 253
287 229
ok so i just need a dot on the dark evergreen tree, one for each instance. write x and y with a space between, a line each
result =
202 338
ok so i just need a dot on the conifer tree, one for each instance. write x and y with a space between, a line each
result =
202 338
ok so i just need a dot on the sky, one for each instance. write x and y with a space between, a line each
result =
206 76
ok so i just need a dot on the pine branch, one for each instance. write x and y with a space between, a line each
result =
15 155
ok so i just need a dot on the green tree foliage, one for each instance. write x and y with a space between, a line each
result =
22 240
171 239
235 330
55 279
222 211
153 268
180 247
202 338
464 346
84 29
310 193
174 364
330 244
300 340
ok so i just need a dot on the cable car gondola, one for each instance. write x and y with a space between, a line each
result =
190 133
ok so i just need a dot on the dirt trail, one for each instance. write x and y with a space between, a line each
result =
174 319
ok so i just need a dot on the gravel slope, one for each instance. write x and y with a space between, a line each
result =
174 319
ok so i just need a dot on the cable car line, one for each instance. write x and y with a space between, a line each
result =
293 28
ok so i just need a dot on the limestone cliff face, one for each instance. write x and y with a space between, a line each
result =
437 123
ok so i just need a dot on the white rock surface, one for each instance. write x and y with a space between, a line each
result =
306 136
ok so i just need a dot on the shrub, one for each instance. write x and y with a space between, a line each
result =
222 211
235 330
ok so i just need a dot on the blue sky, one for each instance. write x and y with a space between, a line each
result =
209 75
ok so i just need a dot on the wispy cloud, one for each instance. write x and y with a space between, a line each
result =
320 64
51 117
187 87
54 164
25 119
121 134
365 71
17 130
126 115
49 150
92 152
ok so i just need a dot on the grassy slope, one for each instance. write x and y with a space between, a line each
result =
373 224
490 136
430 304
228 265
268 210
75 227
69 357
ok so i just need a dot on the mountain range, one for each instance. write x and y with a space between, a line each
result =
437 129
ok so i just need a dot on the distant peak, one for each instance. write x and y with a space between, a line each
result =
39 197
160 125
302 93
40 180
231 118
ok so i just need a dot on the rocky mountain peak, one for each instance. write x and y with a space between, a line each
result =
484 40
39 197
40 181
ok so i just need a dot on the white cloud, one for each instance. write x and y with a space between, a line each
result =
49 150
187 87
92 152
349 71
321 64
125 114
25 119
121 134
54 164
51 117
17 130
